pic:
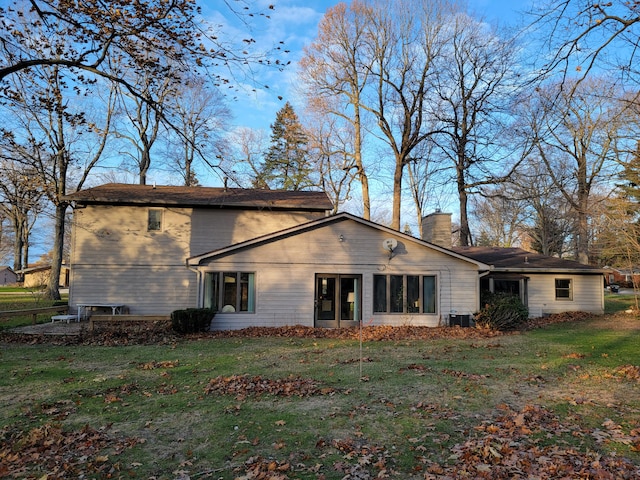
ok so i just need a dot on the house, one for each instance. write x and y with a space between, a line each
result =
272 258
259 257
623 277
7 276
37 276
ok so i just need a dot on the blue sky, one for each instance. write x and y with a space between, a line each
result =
295 23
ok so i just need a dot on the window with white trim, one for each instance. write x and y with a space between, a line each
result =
229 292
564 289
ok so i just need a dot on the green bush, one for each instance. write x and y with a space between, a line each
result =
501 312
191 320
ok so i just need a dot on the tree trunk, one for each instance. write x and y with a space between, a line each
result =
397 194
53 292
18 244
465 231
362 176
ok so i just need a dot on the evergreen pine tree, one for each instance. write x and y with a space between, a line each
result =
286 165
630 176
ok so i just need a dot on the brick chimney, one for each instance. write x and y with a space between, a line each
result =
436 229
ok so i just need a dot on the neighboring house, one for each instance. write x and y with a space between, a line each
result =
623 277
37 276
272 258
7 276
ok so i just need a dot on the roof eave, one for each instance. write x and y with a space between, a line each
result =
575 271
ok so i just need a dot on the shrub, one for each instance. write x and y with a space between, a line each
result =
501 312
191 320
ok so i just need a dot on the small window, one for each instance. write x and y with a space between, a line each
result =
154 223
230 291
563 289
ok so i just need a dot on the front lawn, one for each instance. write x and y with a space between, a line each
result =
559 401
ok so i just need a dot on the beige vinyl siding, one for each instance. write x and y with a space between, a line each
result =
285 275
116 234
217 228
115 259
144 290
587 290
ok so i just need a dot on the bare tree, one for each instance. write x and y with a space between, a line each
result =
575 132
130 35
405 38
475 84
201 115
425 173
141 117
331 149
49 136
582 35
21 202
335 70
247 148
500 216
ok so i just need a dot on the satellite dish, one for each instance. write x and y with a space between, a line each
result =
389 244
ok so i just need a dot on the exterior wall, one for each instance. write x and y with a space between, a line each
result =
116 260
588 294
7 277
39 277
143 289
285 276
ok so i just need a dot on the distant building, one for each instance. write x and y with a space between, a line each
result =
7 276
37 276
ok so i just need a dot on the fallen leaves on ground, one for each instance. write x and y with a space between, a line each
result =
242 386
367 334
628 372
160 334
50 452
516 445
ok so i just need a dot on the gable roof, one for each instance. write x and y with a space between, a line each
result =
151 195
316 224
518 260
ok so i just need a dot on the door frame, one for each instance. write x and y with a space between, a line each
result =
346 313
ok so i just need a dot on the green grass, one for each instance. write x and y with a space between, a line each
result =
17 298
418 398
614 302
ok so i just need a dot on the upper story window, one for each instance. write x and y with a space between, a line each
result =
564 289
404 294
154 223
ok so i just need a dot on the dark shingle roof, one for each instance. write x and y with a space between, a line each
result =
518 260
124 194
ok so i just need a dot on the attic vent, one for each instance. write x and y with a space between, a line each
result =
526 259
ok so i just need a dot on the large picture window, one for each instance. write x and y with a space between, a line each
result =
229 292
404 294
